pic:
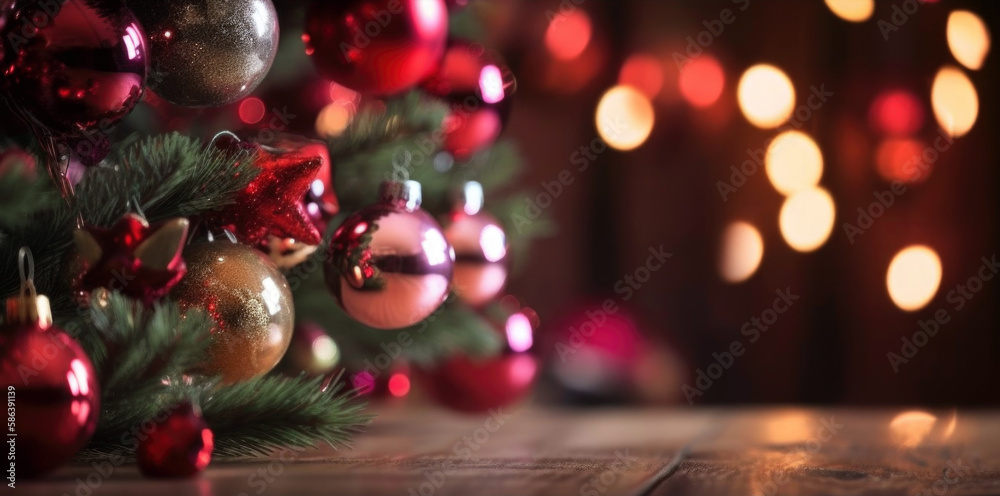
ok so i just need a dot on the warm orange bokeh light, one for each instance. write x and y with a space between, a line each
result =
333 120
968 38
900 159
568 35
806 219
910 429
852 10
766 96
701 81
793 162
955 101
624 118
913 277
742 251
644 73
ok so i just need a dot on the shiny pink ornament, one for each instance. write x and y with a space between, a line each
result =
178 446
480 245
477 385
51 384
480 89
377 47
74 65
389 265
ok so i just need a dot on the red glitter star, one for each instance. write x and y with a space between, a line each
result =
272 202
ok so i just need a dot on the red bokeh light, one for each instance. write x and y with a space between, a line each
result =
897 113
644 73
399 385
252 110
701 81
568 35
902 160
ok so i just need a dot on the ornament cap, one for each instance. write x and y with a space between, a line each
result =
406 194
28 307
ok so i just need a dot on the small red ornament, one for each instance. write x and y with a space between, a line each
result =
389 265
50 383
393 381
480 249
75 65
140 260
476 385
180 445
480 89
378 47
272 202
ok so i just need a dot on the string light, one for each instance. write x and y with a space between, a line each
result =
624 118
766 96
793 162
913 277
852 10
968 38
955 101
806 219
742 252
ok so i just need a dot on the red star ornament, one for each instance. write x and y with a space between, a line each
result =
139 260
272 202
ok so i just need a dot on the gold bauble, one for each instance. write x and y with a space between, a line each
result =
250 302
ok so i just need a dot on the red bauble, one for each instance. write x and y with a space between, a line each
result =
51 385
476 385
389 265
480 88
480 249
140 260
377 47
378 384
180 444
272 202
82 69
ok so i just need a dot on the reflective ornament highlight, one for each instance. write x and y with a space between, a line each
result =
378 47
250 302
312 351
480 89
389 264
81 70
480 384
179 446
208 54
480 245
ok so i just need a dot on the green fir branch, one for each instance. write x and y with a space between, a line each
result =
23 194
375 125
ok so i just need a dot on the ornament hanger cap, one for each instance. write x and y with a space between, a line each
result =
28 307
405 194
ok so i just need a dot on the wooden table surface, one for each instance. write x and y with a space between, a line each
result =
427 452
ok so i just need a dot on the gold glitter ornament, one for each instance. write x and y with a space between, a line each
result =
250 302
208 53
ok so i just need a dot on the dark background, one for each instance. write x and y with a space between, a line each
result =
832 345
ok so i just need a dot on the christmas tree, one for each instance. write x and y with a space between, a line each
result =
179 258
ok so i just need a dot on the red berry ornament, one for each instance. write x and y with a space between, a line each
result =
378 47
179 445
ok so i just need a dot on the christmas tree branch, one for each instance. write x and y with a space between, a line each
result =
23 195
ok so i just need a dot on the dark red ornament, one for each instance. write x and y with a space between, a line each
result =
379 383
377 47
74 65
272 202
476 385
50 384
480 89
140 260
180 444
16 159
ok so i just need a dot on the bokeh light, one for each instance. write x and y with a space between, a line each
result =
624 118
793 162
568 35
968 38
806 219
909 429
252 110
852 10
742 251
897 113
913 277
955 101
643 72
333 120
701 81
766 96
901 159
